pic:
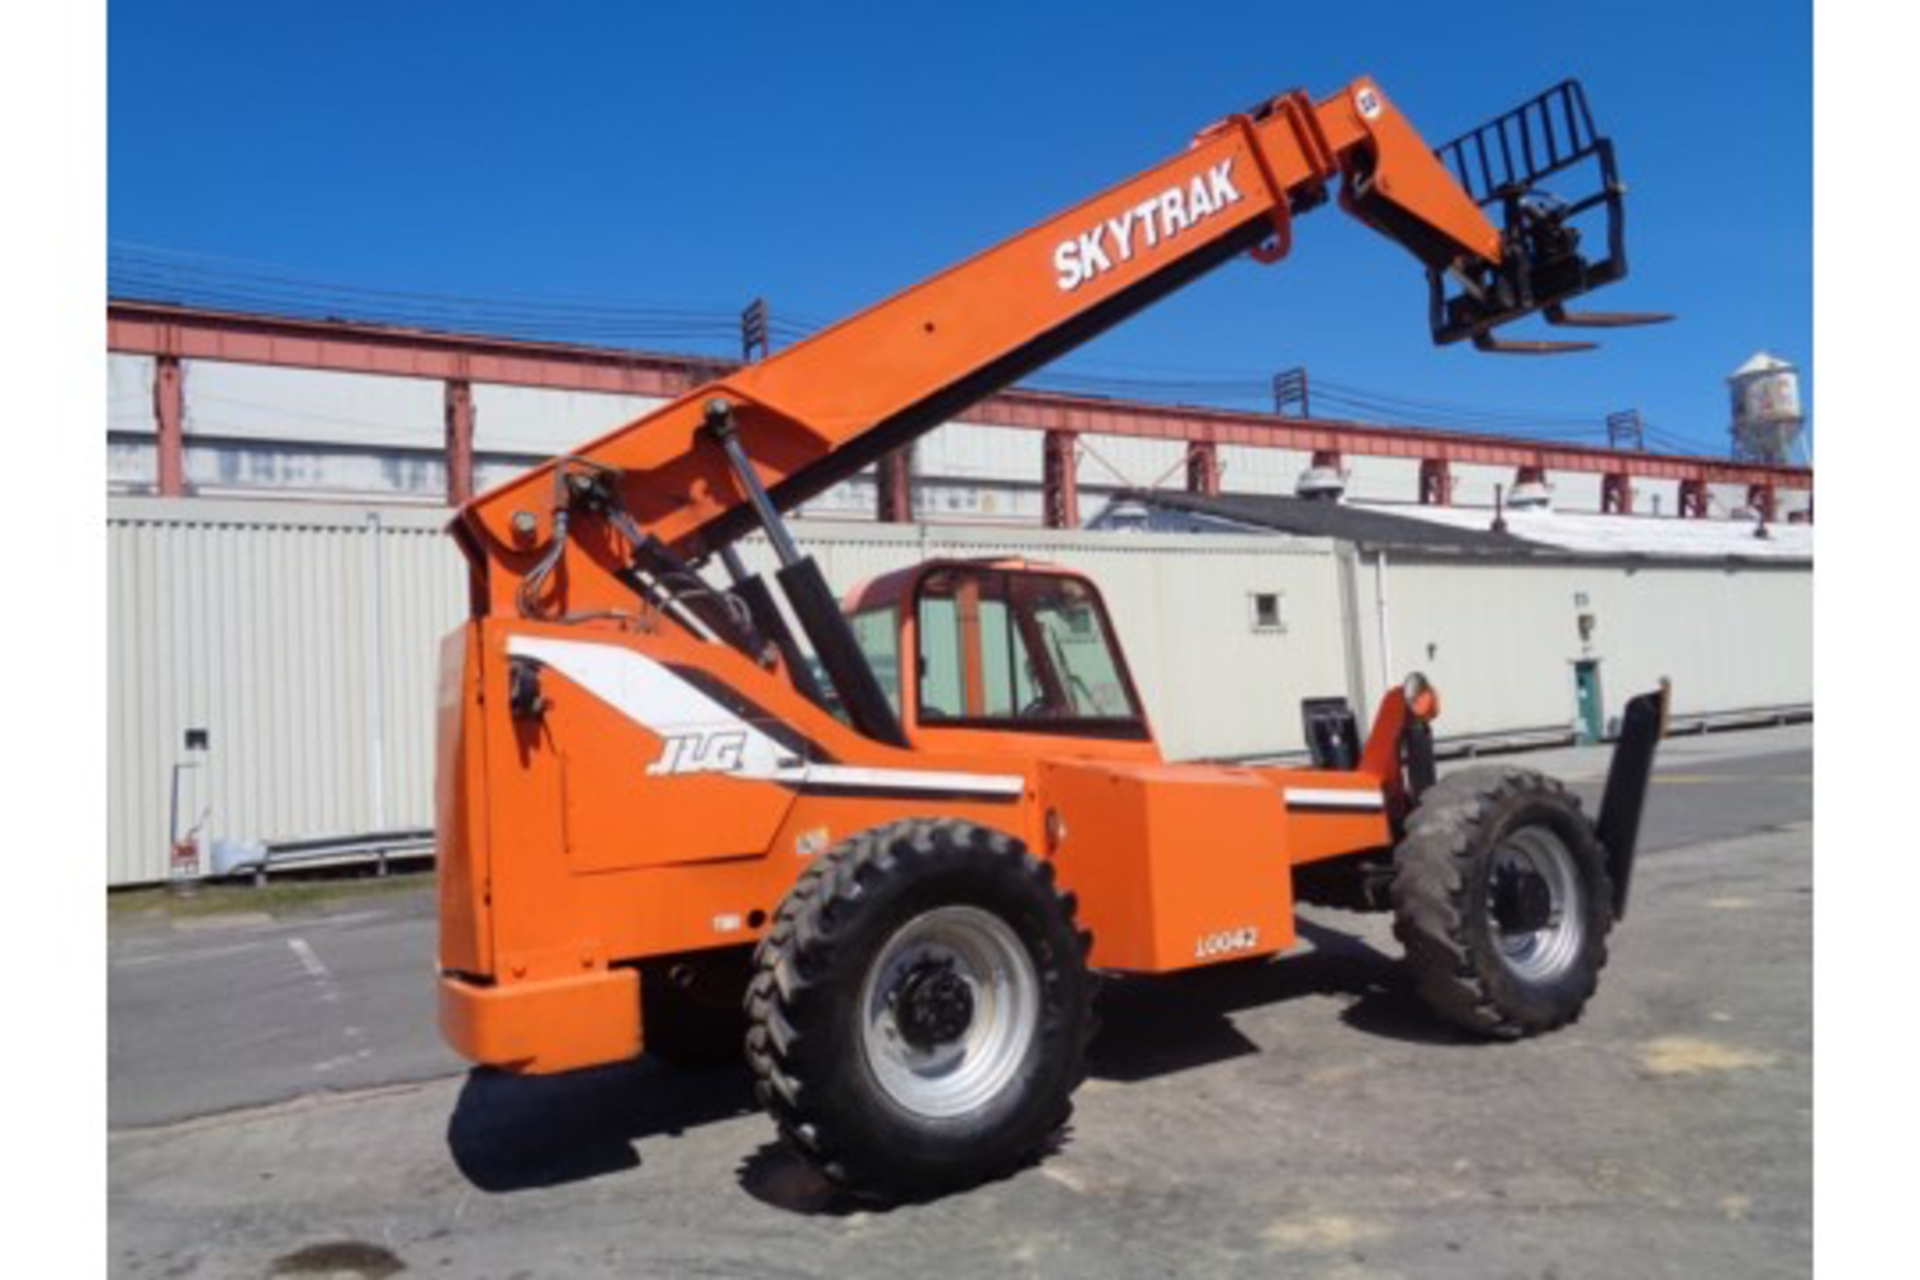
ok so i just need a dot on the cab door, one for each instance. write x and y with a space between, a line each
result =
1018 659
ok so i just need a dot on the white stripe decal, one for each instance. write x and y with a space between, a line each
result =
986 784
1326 798
657 700
653 697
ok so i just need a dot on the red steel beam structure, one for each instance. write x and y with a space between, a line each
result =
341 346
1203 468
1693 499
1047 412
142 328
894 472
459 441
1616 493
1060 480
169 424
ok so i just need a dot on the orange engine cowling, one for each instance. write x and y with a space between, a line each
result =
1174 865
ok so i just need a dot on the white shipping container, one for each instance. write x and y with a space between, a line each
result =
302 639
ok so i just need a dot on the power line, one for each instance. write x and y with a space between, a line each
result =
194 266
154 273
190 279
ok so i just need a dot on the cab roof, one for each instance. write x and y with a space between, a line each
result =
889 589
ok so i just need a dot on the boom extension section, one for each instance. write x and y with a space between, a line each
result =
664 491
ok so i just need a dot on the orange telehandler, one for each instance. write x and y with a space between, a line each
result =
907 832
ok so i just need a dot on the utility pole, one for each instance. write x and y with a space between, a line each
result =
1290 389
754 331
1625 430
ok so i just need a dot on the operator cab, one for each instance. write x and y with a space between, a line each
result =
1020 651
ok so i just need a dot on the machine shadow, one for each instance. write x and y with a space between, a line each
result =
513 1133
778 1176
1156 1026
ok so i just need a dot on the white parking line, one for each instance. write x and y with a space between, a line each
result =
344 1060
315 970
145 959
335 920
308 961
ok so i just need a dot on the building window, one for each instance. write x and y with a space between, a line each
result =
1266 611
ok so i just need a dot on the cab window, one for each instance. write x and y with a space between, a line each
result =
1070 621
1025 650
876 631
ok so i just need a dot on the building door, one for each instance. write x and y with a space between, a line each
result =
1586 699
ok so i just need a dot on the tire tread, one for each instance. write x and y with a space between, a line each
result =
793 960
1431 891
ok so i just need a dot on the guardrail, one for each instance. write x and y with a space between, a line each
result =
231 858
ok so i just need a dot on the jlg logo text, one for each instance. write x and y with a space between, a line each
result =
712 752
1093 253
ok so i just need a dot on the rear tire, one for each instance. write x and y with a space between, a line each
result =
1501 899
919 1013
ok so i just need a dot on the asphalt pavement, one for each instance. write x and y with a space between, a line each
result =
280 1104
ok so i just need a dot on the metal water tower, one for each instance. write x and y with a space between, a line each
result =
1767 419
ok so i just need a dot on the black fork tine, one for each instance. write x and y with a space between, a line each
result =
1559 315
1528 346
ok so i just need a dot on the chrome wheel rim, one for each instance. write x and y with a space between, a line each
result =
948 1010
1536 950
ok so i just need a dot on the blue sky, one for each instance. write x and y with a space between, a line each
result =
825 156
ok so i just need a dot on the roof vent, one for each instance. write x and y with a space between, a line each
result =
1124 514
1322 484
1531 495
1325 478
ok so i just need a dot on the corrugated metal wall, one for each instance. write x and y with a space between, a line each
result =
1501 640
300 639
303 637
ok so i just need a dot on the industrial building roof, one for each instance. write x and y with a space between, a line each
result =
1662 537
1462 530
1304 517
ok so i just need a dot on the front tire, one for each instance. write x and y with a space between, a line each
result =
1501 898
920 1011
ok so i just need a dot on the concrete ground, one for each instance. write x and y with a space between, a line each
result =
279 1105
